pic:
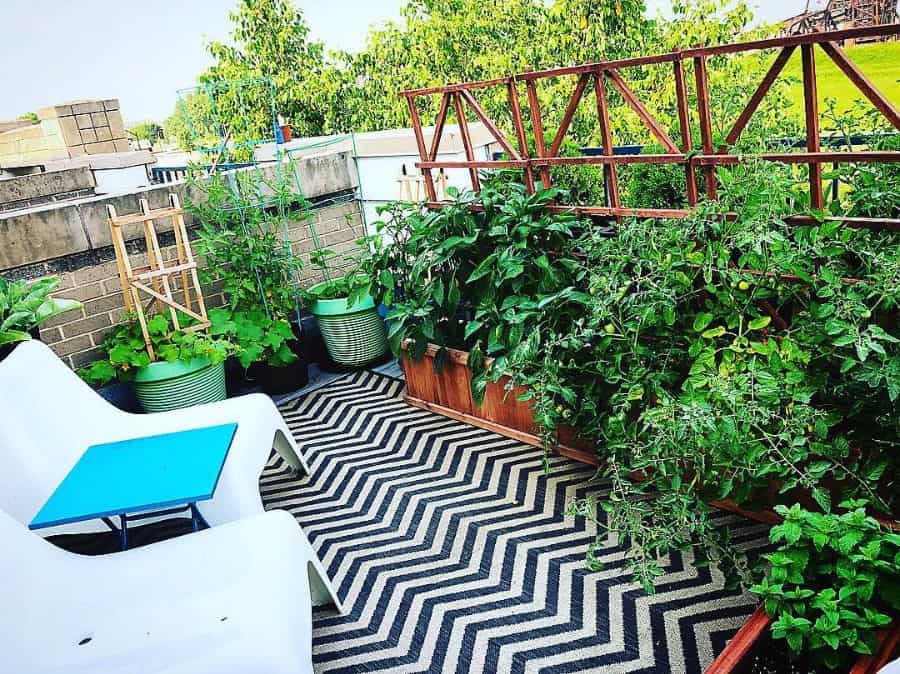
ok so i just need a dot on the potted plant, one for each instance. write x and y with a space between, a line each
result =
351 326
265 344
24 306
190 370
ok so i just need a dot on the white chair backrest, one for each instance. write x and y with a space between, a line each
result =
48 417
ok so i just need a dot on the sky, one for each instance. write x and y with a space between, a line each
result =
141 52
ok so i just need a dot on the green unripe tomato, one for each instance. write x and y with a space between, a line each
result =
609 329
743 285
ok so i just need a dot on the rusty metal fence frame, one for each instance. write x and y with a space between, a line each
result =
597 76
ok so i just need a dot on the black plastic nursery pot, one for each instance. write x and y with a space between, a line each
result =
6 349
267 378
281 380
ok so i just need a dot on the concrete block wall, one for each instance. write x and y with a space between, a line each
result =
67 131
40 188
71 240
77 336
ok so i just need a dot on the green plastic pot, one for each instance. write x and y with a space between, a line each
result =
166 386
354 335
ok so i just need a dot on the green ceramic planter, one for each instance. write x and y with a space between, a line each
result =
354 335
167 386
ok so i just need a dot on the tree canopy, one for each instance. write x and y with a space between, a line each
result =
439 41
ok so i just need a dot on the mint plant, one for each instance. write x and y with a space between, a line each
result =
833 582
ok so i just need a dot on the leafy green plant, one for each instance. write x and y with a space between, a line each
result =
867 190
482 278
352 283
833 582
654 185
714 357
126 351
257 336
697 355
24 306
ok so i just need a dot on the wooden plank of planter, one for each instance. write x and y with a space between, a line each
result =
889 646
741 645
735 657
521 436
449 394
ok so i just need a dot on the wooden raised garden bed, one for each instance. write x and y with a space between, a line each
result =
754 636
449 393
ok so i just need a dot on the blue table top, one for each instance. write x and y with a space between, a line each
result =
139 475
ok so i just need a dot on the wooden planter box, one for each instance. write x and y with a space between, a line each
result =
449 393
754 635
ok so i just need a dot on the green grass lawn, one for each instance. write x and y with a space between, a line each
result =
880 62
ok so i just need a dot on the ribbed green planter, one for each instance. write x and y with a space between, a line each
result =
354 335
168 386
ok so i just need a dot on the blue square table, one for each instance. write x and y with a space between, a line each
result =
140 478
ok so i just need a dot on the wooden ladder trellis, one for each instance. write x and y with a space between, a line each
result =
412 187
158 271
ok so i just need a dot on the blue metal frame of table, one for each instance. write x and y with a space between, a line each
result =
197 521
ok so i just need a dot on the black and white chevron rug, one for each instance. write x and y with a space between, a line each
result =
449 547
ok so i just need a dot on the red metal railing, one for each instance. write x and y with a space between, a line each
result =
596 76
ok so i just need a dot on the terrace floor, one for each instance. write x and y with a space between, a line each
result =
449 546
451 552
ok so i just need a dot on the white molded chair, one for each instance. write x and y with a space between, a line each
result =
49 417
233 599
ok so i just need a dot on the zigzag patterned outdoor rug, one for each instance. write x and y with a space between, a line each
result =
450 549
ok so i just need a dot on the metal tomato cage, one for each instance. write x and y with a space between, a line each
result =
228 149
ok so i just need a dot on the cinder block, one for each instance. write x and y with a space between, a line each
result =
99 119
113 285
103 133
95 272
116 125
91 291
87 107
85 358
74 345
84 121
111 104
105 304
121 145
62 319
100 148
50 335
69 128
77 150
88 136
